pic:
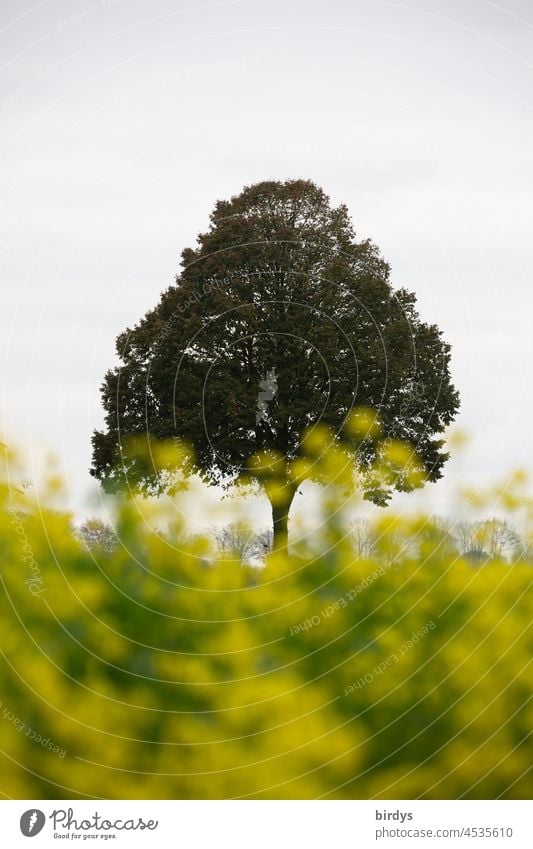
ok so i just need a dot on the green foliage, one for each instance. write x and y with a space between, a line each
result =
158 671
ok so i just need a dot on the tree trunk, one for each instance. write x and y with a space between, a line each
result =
280 521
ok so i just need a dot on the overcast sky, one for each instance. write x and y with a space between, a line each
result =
123 121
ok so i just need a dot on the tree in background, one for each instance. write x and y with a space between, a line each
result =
280 320
487 539
241 541
363 536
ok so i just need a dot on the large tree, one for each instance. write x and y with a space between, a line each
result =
279 319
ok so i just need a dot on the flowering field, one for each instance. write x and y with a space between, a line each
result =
153 670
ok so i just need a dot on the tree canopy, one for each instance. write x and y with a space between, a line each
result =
280 320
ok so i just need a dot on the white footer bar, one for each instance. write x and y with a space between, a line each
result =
267 824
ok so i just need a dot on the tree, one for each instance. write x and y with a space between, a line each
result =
241 541
500 538
280 320
487 539
97 534
364 538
